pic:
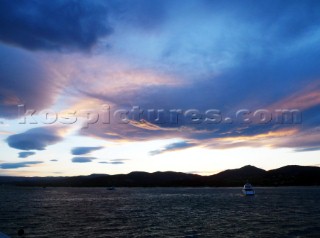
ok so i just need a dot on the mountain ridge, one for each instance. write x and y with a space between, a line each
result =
291 175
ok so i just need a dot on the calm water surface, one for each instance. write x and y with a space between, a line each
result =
160 212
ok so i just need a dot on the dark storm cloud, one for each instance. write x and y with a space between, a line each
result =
173 147
24 79
84 150
53 25
82 159
18 165
25 154
36 138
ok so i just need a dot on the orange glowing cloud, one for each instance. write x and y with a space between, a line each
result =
109 75
303 99
267 135
5 133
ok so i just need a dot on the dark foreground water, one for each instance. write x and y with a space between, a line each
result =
160 212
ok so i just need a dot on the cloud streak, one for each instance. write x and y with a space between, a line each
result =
19 165
173 147
85 150
114 161
25 154
82 159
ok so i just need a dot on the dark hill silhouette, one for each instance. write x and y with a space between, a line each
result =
237 177
286 176
293 175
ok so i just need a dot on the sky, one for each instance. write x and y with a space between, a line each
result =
195 86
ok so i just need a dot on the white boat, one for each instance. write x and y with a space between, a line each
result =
248 190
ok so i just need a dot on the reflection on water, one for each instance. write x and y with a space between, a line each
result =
160 212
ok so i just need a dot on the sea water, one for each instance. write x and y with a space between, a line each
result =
160 212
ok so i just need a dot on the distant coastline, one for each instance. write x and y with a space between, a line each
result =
291 175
